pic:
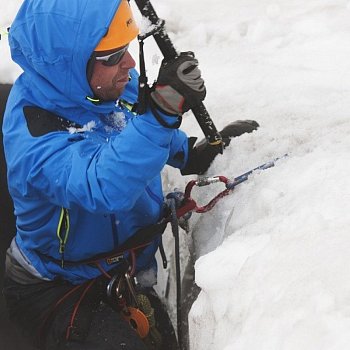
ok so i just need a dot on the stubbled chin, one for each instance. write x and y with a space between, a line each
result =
113 96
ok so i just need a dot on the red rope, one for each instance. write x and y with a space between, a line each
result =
212 203
65 296
103 271
76 307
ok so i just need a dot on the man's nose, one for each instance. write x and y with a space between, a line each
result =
127 61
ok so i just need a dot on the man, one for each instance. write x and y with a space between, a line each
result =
84 175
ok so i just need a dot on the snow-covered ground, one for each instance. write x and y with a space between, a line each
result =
274 263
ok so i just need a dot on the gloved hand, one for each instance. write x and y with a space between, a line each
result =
237 128
179 86
201 156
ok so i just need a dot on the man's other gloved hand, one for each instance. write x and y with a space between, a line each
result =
201 156
237 128
179 86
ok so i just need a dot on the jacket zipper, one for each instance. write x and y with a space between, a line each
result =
63 232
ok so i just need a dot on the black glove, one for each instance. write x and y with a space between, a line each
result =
179 86
201 156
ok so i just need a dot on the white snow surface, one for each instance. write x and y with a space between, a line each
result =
274 256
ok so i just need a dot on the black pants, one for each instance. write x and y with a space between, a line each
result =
59 315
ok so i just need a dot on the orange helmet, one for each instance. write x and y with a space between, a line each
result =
122 29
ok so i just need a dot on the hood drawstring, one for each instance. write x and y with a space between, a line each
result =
94 100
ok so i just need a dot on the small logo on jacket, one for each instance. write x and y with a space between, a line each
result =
114 259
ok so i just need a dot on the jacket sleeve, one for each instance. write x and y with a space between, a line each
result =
179 143
178 154
101 176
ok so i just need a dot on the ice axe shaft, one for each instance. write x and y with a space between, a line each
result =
169 52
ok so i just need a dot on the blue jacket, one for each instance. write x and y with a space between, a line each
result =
87 178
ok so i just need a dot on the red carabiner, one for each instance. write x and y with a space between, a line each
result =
189 204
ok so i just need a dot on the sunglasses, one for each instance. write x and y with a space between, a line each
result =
113 58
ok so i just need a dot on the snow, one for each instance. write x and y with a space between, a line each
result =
274 256
88 127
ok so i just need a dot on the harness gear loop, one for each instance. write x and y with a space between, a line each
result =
121 290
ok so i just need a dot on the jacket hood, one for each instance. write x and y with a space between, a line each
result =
52 42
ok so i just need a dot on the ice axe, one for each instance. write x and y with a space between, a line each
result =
169 52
